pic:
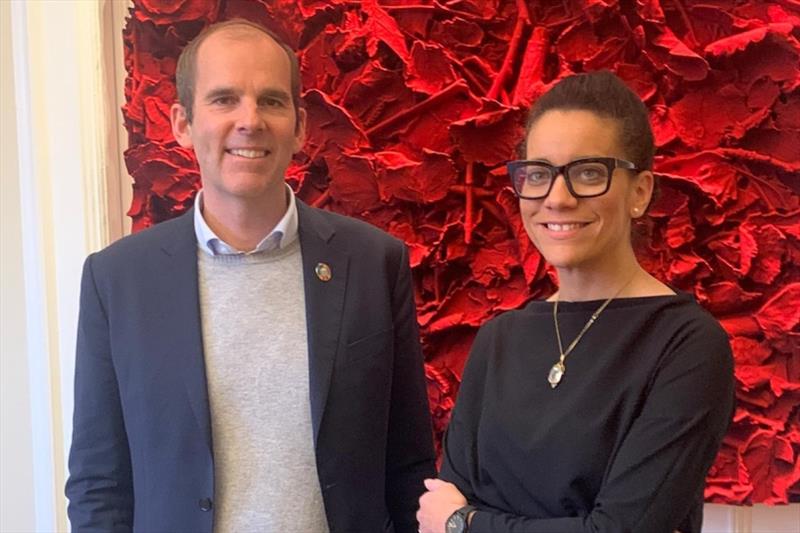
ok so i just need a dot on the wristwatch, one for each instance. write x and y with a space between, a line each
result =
457 523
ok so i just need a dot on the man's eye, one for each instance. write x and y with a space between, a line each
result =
223 100
272 102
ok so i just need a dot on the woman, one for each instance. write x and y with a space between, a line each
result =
602 408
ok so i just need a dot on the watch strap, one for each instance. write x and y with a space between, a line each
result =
464 512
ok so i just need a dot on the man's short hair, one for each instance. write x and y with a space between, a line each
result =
186 72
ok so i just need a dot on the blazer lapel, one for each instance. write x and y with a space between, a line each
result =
325 281
183 334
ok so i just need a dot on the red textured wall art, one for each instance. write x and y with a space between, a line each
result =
414 104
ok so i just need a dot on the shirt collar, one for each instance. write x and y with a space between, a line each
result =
283 234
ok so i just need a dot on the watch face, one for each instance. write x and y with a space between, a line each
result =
455 524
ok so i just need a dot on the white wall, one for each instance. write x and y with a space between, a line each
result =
755 519
16 453
64 193
55 209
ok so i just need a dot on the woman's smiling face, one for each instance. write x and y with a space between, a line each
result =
582 232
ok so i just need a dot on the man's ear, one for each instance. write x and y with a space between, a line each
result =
300 130
181 127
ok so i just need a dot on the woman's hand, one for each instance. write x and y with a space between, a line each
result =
436 505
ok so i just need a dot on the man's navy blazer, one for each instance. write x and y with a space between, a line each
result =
142 457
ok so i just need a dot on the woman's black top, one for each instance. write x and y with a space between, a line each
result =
623 444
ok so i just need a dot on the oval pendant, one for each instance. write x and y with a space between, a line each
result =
554 377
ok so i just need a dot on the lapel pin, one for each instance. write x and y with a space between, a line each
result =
323 272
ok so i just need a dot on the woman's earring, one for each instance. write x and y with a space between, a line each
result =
635 211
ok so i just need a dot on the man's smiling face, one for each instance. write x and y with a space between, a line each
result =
244 130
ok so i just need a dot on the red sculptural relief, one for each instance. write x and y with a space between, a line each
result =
415 104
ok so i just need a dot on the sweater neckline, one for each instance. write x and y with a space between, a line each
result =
264 256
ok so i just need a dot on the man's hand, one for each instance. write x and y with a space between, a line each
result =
436 505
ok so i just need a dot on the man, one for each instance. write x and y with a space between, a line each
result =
254 364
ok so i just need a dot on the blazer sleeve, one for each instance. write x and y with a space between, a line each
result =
410 455
653 481
99 487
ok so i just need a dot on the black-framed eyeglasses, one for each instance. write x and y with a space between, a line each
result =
585 178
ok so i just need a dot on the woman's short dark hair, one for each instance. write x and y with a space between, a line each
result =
605 94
